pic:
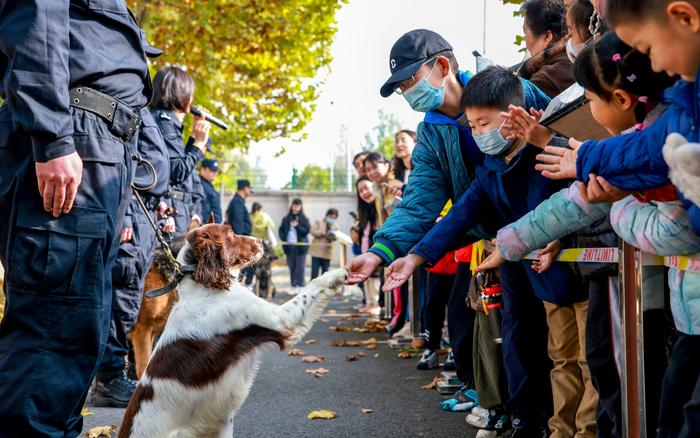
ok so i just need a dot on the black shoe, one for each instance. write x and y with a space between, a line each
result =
525 430
115 392
449 364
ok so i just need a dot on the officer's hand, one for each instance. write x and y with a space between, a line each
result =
169 226
58 181
200 132
361 267
127 234
401 270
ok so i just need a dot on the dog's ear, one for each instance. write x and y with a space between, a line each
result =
212 262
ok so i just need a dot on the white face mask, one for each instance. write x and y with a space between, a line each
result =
572 50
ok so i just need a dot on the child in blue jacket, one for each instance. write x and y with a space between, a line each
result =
508 185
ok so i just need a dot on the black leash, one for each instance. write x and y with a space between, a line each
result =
180 270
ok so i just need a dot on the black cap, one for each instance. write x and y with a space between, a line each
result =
210 164
409 53
243 183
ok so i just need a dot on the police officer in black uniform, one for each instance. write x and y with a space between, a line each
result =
74 79
173 91
136 250
211 205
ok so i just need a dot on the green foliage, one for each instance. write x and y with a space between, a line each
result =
254 63
312 177
235 166
381 137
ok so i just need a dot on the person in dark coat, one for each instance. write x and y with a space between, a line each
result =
239 219
294 232
211 204
172 100
549 67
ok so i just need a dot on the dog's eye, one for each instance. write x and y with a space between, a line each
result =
206 235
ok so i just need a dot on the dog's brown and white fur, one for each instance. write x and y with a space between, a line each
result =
206 359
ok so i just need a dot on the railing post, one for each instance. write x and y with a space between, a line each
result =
414 304
632 366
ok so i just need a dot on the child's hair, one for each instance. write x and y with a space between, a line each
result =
545 15
618 11
494 87
581 12
609 64
360 154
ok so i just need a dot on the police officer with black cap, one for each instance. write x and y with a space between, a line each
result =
211 205
67 129
173 92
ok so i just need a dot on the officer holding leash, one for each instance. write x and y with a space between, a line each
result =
138 242
74 80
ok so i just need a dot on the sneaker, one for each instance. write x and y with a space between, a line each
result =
479 417
498 422
428 360
404 332
463 400
115 392
524 430
449 364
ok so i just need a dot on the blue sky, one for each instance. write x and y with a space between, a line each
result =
350 94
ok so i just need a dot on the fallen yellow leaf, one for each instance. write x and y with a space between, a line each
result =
101 431
296 352
433 383
87 412
322 414
360 354
318 372
366 411
370 341
310 341
312 359
371 347
405 354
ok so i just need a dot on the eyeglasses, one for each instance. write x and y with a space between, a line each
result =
407 83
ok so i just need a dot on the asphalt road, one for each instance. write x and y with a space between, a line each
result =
283 394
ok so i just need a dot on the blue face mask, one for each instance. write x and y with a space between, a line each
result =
330 220
492 142
424 96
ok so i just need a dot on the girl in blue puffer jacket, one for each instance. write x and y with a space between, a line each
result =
650 220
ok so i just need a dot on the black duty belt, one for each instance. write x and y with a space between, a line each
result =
122 120
180 196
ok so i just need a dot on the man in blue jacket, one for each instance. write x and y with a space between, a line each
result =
425 71
211 204
239 219
75 77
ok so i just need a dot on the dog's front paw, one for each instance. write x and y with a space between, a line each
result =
333 279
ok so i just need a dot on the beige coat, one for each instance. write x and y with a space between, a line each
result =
321 246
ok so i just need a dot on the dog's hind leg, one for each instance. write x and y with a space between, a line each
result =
227 432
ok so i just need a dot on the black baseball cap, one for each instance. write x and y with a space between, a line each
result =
210 164
243 183
409 53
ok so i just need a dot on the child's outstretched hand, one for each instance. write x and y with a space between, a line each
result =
491 262
600 190
400 271
526 126
559 163
547 256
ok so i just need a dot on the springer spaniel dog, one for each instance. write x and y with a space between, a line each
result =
206 359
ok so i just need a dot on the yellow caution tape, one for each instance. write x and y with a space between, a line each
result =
612 255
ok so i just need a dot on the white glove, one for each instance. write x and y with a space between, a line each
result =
683 160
